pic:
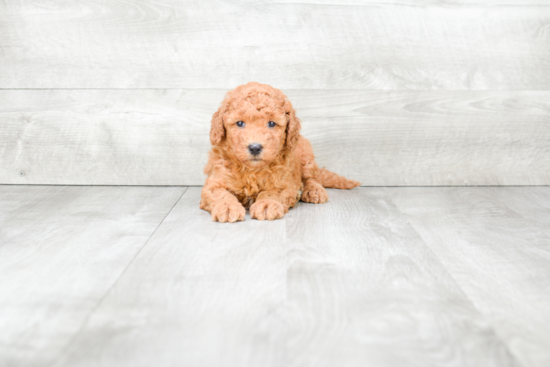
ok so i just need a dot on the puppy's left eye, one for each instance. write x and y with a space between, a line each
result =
271 124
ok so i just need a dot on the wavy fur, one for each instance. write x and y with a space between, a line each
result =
284 172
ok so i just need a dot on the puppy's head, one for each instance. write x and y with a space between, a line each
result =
256 123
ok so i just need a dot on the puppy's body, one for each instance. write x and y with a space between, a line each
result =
259 160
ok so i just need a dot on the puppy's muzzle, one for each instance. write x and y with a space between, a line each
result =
255 149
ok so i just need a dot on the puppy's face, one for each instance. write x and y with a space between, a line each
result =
255 123
255 135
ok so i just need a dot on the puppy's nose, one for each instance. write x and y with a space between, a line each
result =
255 148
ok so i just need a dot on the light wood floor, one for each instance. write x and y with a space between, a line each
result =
140 276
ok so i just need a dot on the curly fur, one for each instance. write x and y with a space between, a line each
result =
283 173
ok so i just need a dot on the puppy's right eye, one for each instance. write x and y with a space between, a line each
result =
240 123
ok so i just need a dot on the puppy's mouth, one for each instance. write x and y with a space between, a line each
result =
255 160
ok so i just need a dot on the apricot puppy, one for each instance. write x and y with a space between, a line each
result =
259 160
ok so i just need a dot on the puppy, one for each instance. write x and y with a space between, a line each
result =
259 160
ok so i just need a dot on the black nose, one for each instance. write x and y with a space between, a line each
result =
255 149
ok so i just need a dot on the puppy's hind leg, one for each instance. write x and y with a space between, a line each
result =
315 179
332 180
314 192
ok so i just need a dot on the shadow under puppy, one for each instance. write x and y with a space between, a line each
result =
259 160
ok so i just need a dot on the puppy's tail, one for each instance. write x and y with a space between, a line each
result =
332 180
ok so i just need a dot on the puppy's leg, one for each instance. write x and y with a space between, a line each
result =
222 204
272 205
332 180
314 192
315 179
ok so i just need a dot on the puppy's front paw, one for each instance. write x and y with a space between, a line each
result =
315 194
228 212
267 210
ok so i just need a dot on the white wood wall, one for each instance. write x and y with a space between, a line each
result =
399 92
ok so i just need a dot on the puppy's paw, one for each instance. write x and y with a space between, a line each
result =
228 212
315 194
267 210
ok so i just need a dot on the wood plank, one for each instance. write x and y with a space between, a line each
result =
364 290
61 249
496 244
450 3
195 44
532 203
105 137
200 293
389 138
348 283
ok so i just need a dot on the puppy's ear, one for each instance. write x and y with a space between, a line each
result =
217 130
293 126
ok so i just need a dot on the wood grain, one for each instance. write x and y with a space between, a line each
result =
450 3
194 44
375 277
200 293
392 138
533 203
495 243
364 290
61 249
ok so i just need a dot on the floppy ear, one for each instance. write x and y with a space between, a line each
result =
293 126
217 130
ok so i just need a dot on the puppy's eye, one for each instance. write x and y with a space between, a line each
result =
271 124
240 123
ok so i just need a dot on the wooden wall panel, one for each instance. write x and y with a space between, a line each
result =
450 3
160 137
392 92
204 45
